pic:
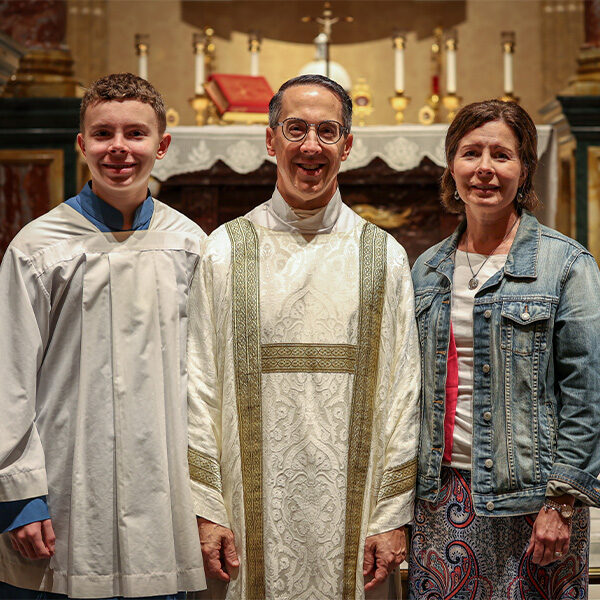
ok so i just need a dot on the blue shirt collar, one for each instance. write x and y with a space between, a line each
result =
97 210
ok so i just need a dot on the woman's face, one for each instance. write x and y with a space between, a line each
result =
487 169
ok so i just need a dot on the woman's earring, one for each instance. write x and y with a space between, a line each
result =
519 196
456 195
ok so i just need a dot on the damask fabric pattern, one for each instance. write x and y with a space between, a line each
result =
457 554
309 297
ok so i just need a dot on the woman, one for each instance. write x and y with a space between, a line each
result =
509 324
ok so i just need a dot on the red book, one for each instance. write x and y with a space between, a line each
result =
239 93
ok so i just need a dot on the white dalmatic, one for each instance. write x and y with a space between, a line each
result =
304 381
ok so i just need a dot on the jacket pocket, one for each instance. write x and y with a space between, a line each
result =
525 325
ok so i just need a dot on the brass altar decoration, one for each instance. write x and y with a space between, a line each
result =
507 39
172 117
362 101
450 100
204 55
383 217
399 101
429 112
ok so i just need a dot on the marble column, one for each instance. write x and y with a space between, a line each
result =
46 69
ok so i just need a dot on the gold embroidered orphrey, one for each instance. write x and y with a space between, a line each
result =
204 469
251 360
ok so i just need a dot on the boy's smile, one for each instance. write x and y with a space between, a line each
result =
120 142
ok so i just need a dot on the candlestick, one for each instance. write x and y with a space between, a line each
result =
451 47
198 43
428 113
508 47
204 50
142 47
254 48
399 40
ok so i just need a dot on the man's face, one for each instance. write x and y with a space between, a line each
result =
120 142
307 170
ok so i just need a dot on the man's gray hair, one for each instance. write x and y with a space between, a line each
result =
320 80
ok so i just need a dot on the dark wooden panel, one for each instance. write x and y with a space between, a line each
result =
404 203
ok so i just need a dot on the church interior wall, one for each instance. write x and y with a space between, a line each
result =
548 36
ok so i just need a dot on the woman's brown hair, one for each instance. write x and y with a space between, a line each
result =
477 114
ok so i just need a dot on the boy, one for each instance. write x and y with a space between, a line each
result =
93 400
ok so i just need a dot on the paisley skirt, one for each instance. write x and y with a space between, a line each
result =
456 554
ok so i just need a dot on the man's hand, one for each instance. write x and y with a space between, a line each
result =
218 550
35 540
383 553
550 537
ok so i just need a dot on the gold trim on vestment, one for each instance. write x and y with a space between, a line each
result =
398 480
308 358
373 262
204 469
246 340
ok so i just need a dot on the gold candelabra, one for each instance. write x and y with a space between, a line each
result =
204 52
451 100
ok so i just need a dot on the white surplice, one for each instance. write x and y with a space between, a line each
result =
303 418
93 403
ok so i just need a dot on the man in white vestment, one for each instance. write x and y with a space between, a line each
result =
94 484
304 377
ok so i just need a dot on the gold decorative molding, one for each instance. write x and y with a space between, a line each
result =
43 74
383 217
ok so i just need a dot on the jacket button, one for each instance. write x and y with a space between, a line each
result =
487 314
487 415
525 316
490 506
485 368
489 463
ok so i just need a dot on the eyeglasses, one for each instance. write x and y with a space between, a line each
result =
295 130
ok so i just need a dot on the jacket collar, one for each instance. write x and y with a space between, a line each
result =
522 259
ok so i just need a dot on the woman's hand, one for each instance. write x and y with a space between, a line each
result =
551 534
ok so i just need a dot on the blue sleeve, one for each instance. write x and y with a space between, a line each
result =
22 512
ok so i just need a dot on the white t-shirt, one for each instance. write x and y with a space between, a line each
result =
461 316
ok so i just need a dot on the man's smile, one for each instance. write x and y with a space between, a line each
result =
310 169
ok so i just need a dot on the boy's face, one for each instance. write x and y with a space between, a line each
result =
120 142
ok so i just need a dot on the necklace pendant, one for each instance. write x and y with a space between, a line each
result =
473 283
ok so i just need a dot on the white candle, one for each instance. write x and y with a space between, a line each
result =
508 73
143 65
450 69
254 62
199 73
399 71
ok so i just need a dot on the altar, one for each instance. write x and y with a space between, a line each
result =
216 173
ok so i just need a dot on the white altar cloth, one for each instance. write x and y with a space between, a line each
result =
401 147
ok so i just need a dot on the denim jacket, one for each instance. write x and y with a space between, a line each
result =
536 372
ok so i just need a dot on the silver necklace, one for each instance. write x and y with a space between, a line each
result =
474 282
